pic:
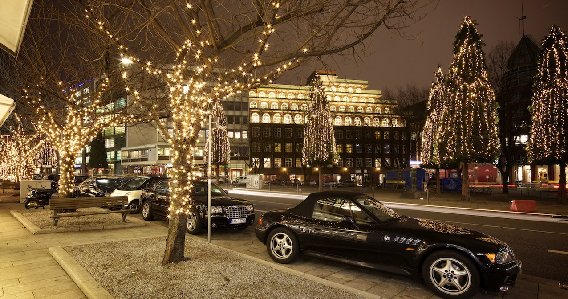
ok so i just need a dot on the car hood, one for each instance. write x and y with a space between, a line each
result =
221 201
438 231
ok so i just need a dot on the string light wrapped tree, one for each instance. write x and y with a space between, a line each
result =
213 51
220 146
549 132
429 140
319 140
468 130
20 151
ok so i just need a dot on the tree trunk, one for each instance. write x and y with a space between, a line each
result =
562 183
438 184
217 172
465 181
66 175
505 178
175 243
320 179
180 205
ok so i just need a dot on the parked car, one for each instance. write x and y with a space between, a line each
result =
226 211
356 228
242 180
133 188
104 185
346 184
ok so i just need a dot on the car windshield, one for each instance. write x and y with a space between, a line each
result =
377 209
133 184
108 184
200 188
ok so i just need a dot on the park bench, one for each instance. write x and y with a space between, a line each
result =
61 206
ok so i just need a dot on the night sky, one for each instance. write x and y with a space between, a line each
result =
392 61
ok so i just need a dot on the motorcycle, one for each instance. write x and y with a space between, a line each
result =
38 198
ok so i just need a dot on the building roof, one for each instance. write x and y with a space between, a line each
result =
526 53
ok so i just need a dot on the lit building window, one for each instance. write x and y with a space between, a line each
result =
277 162
332 108
255 118
350 89
346 99
358 90
230 134
367 121
298 119
341 89
351 109
282 95
394 122
263 105
267 163
252 93
369 110
237 135
294 106
360 109
272 95
300 96
338 121
288 162
385 122
284 106
253 104
341 108
387 111
266 118
274 105
333 89
337 99
376 122
339 148
287 119
357 121
304 106
348 121
378 110
261 94
291 96
109 142
277 118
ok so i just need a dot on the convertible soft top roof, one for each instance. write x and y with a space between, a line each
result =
306 207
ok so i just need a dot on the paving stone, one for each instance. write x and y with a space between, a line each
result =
361 284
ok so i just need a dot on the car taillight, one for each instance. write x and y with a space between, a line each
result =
260 220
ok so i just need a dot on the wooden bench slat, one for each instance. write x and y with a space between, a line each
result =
59 204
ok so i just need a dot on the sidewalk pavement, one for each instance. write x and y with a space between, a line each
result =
27 270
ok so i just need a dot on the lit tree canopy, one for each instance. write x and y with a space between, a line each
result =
319 140
205 50
549 132
434 108
468 125
220 145
20 152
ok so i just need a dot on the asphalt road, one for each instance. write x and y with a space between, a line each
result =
542 246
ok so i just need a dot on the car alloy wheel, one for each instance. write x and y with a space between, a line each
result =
146 213
451 275
282 245
193 223
134 207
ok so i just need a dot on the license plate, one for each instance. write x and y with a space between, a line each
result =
238 220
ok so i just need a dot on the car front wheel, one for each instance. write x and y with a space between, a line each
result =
282 245
146 213
450 275
193 223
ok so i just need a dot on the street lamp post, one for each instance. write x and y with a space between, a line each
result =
209 140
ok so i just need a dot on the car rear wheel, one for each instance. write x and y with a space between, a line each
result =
282 245
450 275
193 223
32 204
146 213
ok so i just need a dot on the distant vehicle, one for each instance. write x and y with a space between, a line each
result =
133 188
347 183
226 211
241 180
358 229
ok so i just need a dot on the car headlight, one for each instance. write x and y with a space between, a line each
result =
503 256
216 210
250 208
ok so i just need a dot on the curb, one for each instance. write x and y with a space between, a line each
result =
78 274
36 230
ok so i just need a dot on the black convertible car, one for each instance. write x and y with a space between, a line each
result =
226 211
356 228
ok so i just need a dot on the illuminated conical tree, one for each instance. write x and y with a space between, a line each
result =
429 146
468 131
220 145
435 105
548 137
319 140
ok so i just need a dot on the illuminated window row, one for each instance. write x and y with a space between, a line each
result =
341 108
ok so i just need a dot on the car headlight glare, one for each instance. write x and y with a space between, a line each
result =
216 210
503 256
250 208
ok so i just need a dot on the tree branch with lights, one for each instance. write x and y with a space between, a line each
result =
220 146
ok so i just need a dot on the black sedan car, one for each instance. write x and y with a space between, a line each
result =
356 228
226 211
